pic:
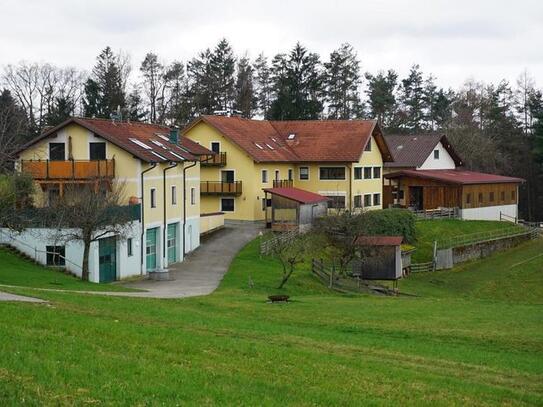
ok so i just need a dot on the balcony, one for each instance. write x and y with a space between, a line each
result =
213 160
220 188
46 170
282 183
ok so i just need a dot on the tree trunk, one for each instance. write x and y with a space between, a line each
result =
286 277
85 265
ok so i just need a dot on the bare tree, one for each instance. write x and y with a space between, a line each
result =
290 253
89 212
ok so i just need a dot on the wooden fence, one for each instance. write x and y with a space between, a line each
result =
267 245
440 213
422 267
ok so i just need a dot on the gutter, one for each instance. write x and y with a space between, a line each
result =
164 206
185 203
153 166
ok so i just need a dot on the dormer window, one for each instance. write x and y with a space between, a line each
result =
436 154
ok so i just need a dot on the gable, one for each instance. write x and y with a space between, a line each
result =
444 162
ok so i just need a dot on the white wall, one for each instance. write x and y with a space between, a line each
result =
445 161
489 212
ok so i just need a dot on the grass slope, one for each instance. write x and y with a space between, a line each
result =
471 338
15 271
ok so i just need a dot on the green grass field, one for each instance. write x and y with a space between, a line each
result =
472 336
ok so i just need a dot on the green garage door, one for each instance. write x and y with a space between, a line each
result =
107 250
172 243
150 249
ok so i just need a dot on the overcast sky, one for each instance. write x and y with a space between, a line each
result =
455 40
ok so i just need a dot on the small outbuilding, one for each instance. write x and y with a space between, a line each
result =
380 258
289 208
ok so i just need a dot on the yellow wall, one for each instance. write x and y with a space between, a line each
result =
248 206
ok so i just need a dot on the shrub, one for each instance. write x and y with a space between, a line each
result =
391 222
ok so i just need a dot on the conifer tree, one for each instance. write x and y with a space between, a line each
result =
245 100
381 96
263 84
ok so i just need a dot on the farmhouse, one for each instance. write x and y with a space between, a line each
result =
159 172
338 159
426 174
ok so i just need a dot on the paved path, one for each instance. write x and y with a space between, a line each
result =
12 297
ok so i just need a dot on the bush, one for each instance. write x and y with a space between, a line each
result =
391 222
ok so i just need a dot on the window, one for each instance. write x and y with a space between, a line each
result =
376 199
264 176
97 151
468 198
55 255
227 176
290 176
216 147
358 201
436 154
376 172
304 173
227 205
57 151
174 195
129 248
368 146
503 196
153 198
367 172
277 175
266 203
480 197
357 172
193 196
336 201
332 173
491 196
367 200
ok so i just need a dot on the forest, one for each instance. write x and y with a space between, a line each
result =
495 127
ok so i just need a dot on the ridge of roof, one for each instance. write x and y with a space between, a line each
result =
457 176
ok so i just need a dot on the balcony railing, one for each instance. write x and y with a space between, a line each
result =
220 188
69 169
282 183
213 160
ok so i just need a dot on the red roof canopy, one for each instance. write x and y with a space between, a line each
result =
297 194
461 177
379 240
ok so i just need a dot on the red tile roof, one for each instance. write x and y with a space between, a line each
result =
297 194
456 176
129 136
412 150
313 140
379 240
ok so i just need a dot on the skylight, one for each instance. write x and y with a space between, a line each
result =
139 143
176 155
162 136
270 147
158 143
259 146
291 136
158 155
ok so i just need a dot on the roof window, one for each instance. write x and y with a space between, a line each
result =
291 136
176 155
259 146
140 143
158 143
162 136
158 155
270 147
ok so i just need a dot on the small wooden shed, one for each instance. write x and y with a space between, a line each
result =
289 208
380 258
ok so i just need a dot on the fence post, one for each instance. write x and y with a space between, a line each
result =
434 260
332 276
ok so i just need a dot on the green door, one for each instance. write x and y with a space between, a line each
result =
150 249
172 243
107 260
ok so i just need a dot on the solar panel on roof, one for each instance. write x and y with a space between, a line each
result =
176 155
140 143
158 155
259 146
158 143
162 136
270 147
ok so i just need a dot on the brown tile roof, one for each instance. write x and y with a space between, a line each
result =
455 176
148 142
412 150
297 194
313 141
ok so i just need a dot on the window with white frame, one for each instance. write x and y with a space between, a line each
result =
332 173
153 198
264 176
376 199
304 173
193 196
357 172
367 172
367 200
174 195
358 201
376 172
436 154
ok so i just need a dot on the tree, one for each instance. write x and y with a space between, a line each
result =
263 85
136 110
16 191
13 128
523 94
245 100
412 103
202 86
290 253
342 81
381 97
223 65
87 213
62 109
153 80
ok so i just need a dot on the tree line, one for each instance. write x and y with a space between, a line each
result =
496 127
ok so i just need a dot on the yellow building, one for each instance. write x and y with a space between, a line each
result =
340 159
152 166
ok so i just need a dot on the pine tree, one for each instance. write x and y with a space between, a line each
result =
412 103
136 109
61 110
223 65
381 96
245 100
263 85
203 88
342 83
91 100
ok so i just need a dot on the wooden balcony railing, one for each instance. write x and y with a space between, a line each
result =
213 160
69 169
220 188
282 183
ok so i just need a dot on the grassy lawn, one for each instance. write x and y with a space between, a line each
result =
473 336
430 230
14 271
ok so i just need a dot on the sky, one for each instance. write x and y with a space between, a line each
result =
485 40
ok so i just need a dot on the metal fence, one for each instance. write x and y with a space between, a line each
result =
480 237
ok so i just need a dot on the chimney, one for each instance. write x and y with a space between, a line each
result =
174 135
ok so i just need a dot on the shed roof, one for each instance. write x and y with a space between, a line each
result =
379 240
296 194
461 177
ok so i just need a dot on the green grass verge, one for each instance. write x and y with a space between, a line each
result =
470 338
15 271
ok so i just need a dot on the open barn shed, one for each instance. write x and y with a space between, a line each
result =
289 208
380 258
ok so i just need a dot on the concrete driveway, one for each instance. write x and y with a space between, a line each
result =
204 268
